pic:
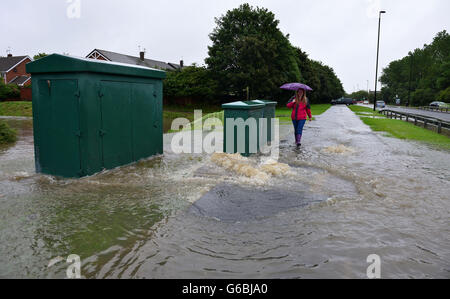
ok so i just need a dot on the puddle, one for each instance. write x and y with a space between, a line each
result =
232 203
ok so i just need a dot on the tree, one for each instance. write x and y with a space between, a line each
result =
249 50
423 76
39 56
360 95
192 81
330 86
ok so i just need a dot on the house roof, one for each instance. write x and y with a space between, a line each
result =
7 63
19 80
122 58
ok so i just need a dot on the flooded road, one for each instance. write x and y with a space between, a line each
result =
348 193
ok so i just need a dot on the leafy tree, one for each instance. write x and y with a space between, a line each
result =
39 56
249 50
423 75
444 95
360 95
192 81
330 86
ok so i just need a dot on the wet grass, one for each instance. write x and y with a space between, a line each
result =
190 108
400 129
16 109
364 111
284 114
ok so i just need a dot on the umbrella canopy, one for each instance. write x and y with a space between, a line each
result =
296 86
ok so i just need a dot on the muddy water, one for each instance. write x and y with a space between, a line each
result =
346 194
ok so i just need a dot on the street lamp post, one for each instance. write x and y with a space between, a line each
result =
378 52
410 77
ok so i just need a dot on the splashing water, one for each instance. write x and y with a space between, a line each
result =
248 168
339 149
274 168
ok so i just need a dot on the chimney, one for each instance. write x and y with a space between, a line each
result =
142 55
181 64
10 55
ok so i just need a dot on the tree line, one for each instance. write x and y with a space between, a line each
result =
250 58
421 77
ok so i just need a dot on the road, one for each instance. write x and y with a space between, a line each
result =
439 115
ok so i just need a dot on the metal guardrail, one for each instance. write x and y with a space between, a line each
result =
439 123
435 109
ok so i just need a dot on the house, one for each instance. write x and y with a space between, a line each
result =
141 60
12 70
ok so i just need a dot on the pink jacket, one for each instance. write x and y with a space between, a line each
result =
300 111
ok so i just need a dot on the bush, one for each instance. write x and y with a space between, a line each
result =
444 96
422 97
9 91
7 135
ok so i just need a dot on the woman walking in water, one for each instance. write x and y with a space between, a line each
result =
300 110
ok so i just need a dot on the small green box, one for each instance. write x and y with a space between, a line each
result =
90 115
269 114
249 113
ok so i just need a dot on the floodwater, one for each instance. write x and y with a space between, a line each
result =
318 212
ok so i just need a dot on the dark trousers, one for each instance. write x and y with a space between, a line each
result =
298 126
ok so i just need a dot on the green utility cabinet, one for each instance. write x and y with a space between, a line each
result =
269 114
91 115
242 139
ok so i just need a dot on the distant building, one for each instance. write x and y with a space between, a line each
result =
141 60
12 70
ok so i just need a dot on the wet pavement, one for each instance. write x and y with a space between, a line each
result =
349 193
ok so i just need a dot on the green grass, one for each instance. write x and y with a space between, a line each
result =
190 108
284 114
364 111
400 129
7 135
16 109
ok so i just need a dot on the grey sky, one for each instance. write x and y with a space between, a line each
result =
342 34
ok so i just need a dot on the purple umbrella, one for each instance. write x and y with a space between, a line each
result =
296 86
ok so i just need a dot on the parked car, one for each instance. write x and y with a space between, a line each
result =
366 103
343 101
439 105
381 104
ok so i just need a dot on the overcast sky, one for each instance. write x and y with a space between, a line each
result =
341 34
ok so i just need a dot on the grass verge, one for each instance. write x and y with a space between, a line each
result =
16 109
365 111
400 129
284 114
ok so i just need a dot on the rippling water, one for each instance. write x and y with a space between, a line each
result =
369 195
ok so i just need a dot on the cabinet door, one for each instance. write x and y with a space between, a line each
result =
146 115
116 124
58 135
